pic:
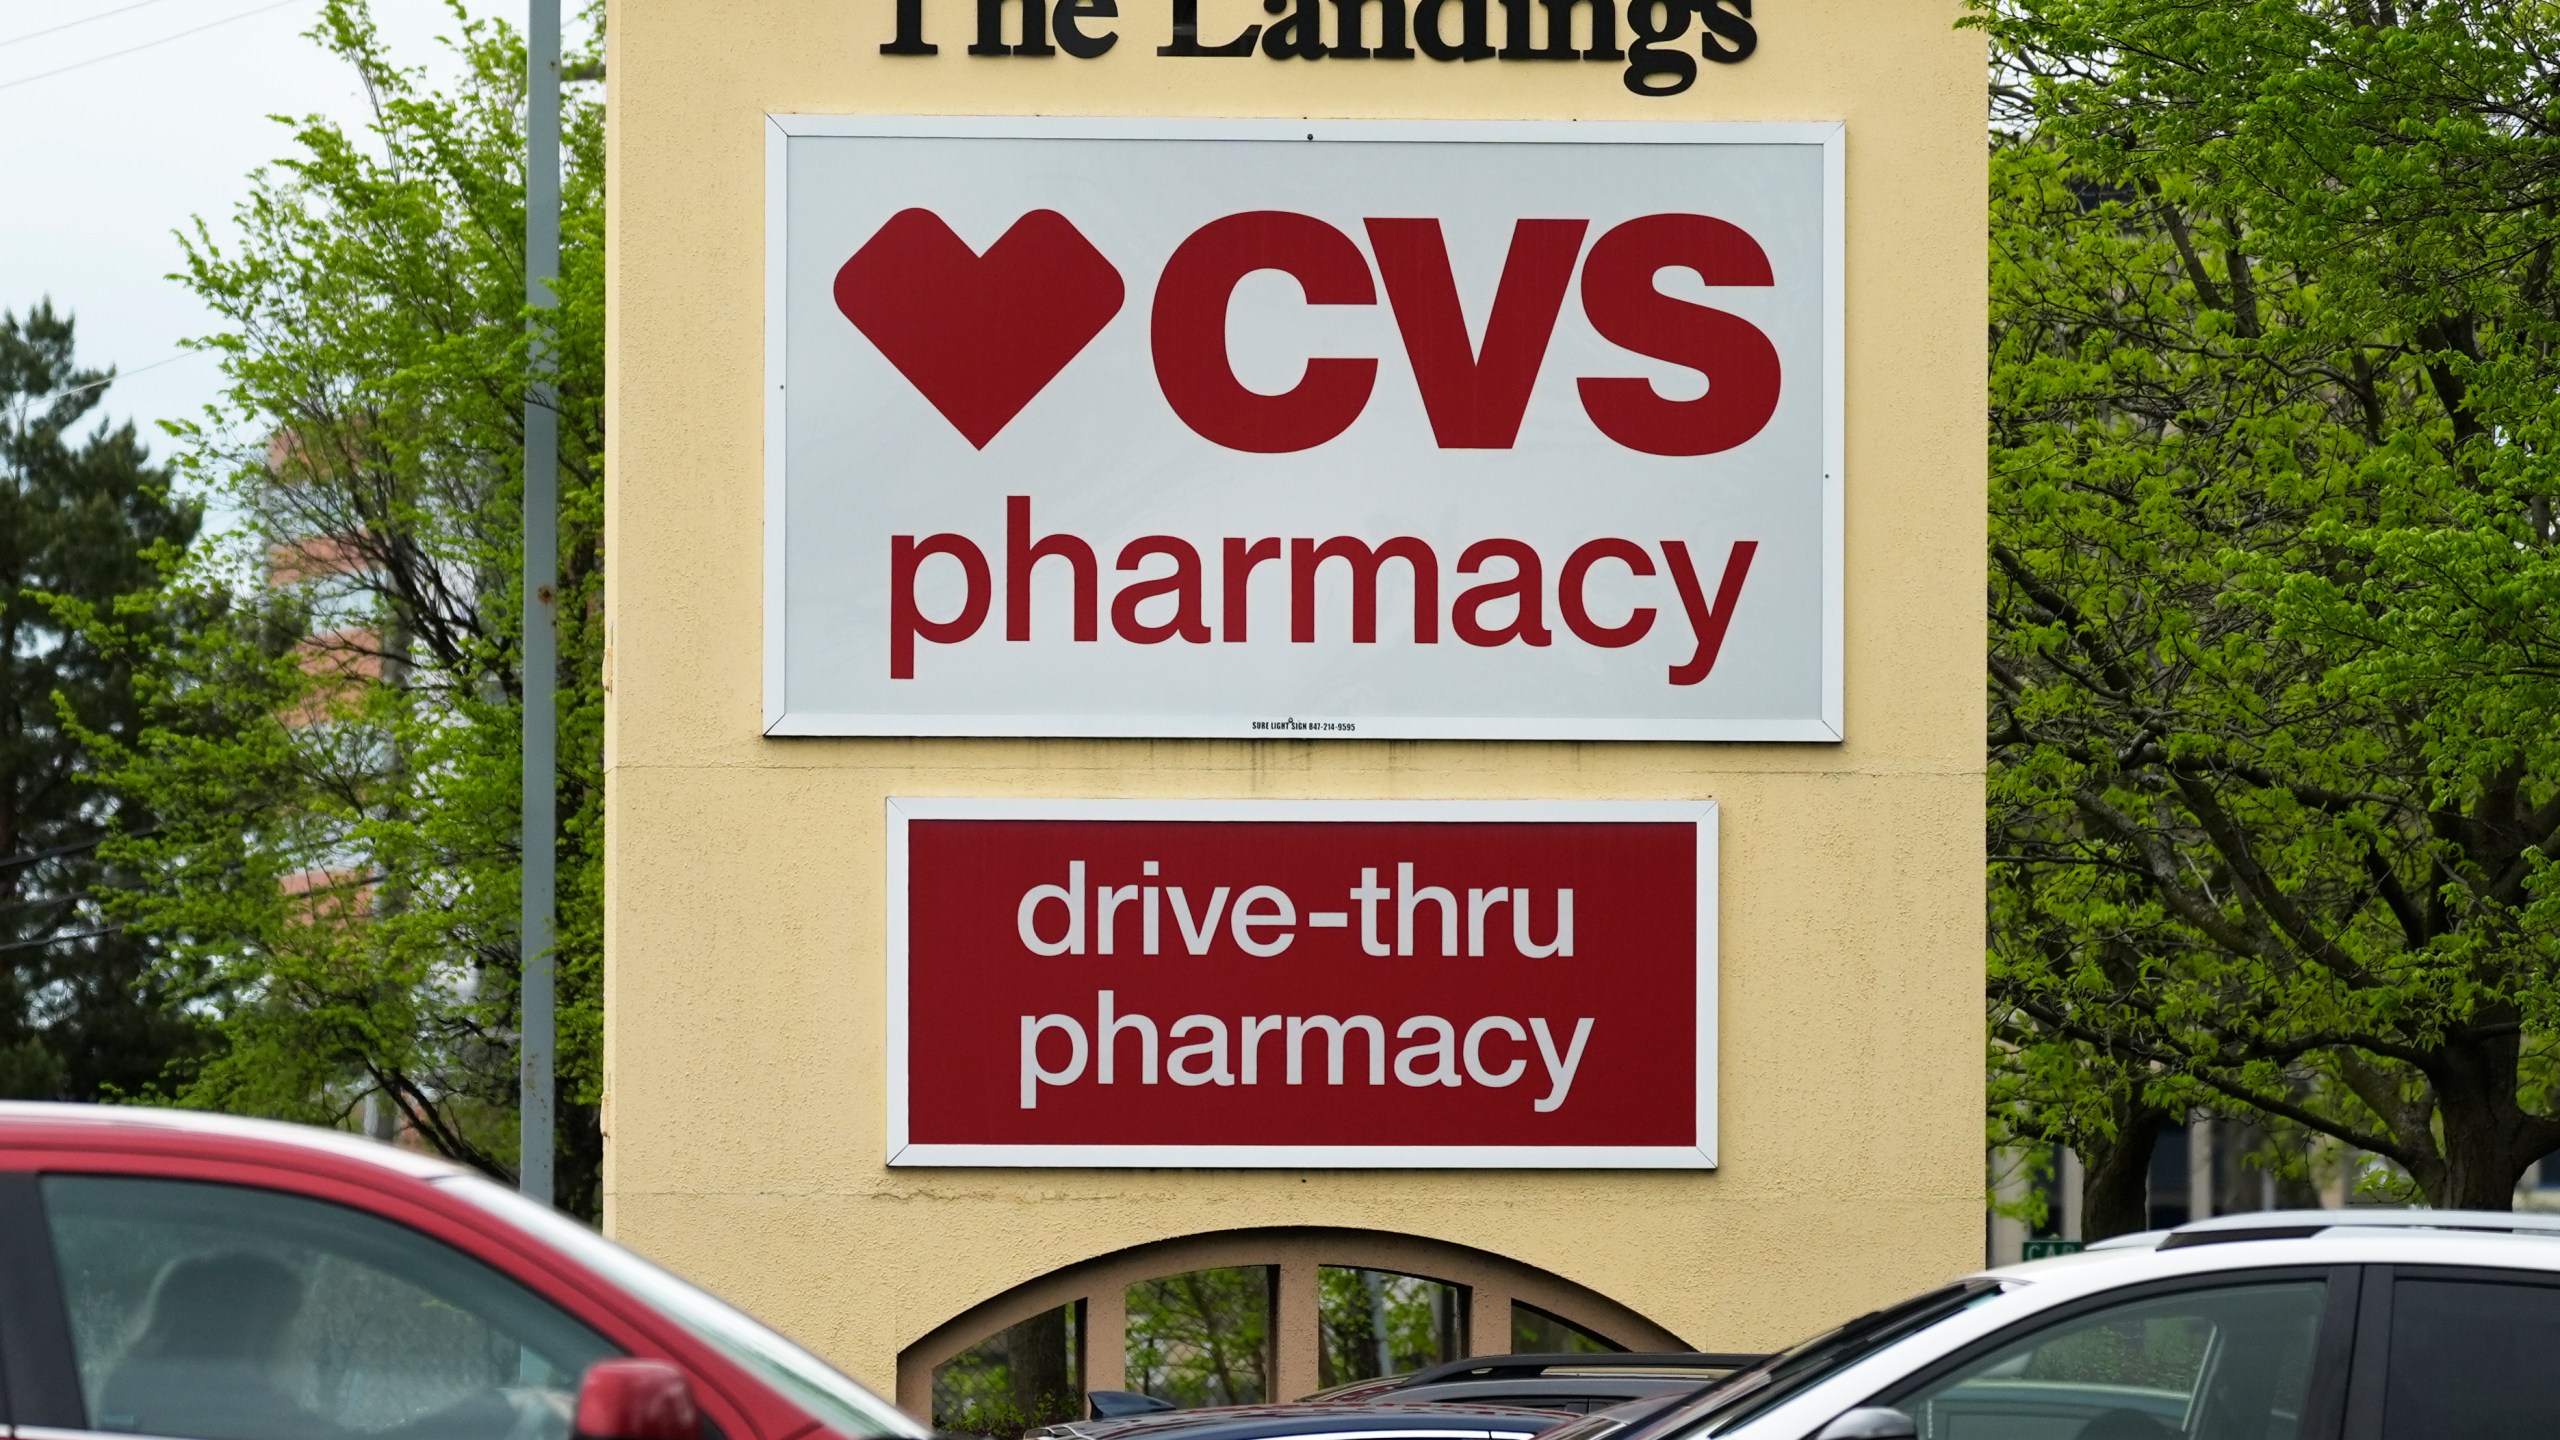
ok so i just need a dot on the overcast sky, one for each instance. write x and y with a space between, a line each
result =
163 118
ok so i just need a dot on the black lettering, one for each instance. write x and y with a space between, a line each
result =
1733 28
910 38
1346 31
1186 35
1435 43
1349 39
1072 38
1035 29
1653 68
1299 36
1560 46
1604 31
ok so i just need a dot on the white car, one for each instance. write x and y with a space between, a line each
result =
2287 1325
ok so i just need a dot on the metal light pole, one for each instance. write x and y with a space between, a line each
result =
536 929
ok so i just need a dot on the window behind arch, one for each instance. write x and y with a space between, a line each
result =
1203 1337
1025 1375
1247 1316
1535 1332
1379 1322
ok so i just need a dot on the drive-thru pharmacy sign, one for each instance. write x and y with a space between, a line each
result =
1265 428
1302 983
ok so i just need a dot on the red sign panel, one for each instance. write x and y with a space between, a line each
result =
1302 983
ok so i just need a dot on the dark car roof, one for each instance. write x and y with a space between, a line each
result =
1690 1364
1578 1381
1629 1419
1256 1422
1635 1414
1579 1392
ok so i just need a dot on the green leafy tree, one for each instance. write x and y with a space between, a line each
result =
1019 1378
87 1008
1202 1337
2049 1089
334 765
2275 654
1374 1322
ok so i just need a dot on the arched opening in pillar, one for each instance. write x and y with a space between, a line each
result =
1241 1316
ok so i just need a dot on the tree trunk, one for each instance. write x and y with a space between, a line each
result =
2487 1137
2115 1178
578 1151
2482 1162
1036 1357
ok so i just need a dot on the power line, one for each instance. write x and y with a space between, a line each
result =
106 380
145 45
50 940
75 24
51 902
36 857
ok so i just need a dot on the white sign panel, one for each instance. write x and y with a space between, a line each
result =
1265 429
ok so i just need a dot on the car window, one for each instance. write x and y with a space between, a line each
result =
2471 1360
222 1312
1746 1394
827 1394
2221 1364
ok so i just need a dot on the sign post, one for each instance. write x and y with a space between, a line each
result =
537 1040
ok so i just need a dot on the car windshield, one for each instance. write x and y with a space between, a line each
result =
1747 1393
810 1382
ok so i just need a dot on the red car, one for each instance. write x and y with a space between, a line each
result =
208 1278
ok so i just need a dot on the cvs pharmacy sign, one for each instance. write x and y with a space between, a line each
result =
1126 428
980 335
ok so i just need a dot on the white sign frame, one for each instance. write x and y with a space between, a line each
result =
1827 727
1703 814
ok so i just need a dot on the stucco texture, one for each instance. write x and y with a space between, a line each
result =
745 917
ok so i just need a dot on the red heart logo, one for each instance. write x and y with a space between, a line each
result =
979 335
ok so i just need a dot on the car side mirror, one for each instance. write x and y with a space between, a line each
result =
637 1400
1870 1422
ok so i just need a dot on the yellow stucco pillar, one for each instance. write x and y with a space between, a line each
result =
746 909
